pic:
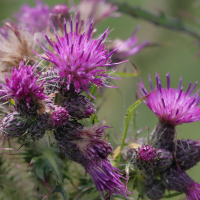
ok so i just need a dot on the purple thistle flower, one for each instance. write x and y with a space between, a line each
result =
106 178
96 9
59 115
179 181
127 48
78 59
172 105
148 159
60 9
34 19
59 12
23 85
186 153
146 153
86 147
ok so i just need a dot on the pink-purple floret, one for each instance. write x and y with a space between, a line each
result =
78 59
59 116
107 178
146 152
172 105
23 84
34 19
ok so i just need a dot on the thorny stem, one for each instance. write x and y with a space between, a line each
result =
159 20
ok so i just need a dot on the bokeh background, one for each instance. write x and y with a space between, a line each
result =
174 52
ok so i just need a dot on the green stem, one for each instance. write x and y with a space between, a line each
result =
129 112
159 20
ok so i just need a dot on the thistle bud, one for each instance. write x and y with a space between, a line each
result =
38 128
155 190
148 159
68 132
79 106
14 124
163 136
165 159
186 153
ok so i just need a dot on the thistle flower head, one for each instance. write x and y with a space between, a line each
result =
179 181
97 9
172 105
60 9
86 148
146 153
78 59
148 159
24 84
91 145
59 115
16 46
34 19
127 48
14 124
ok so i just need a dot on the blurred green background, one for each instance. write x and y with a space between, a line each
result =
176 53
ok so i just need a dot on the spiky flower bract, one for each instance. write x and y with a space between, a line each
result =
34 19
186 153
172 105
23 84
175 179
79 59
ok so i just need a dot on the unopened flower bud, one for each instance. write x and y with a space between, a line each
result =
165 159
79 106
38 128
148 159
186 153
14 124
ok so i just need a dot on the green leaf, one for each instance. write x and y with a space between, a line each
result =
59 189
125 74
51 159
129 112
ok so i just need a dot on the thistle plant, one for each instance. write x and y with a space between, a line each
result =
55 69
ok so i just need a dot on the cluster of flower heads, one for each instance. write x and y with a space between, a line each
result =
53 98
164 163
